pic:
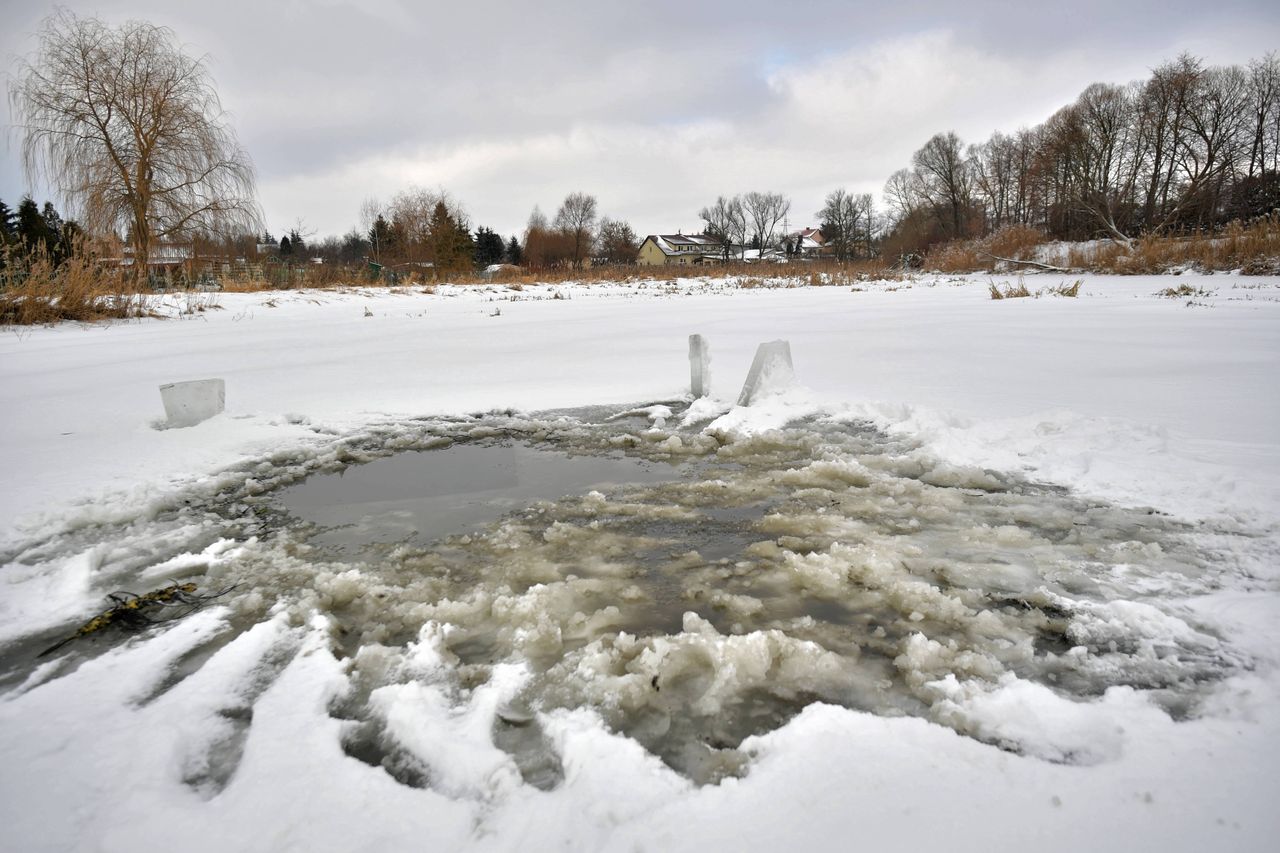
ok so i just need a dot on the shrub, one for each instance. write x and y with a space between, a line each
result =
35 291
1017 242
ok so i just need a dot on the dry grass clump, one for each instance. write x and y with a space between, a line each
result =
35 291
1017 242
1013 241
957 256
1008 291
246 285
1254 249
1183 291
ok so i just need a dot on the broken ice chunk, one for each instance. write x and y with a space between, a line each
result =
771 371
699 366
188 403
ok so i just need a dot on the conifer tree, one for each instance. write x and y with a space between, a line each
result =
6 223
286 247
489 248
33 229
381 239
449 241
514 253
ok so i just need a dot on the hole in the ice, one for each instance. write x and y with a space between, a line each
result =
422 496
810 576
700 591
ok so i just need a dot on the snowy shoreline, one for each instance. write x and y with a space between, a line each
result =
1119 394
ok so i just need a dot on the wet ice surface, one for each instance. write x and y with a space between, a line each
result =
691 588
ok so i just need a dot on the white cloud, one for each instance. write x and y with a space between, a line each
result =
844 119
654 110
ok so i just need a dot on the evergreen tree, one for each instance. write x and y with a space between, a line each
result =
355 247
33 229
295 240
381 238
6 223
449 241
54 240
489 248
286 248
268 239
514 253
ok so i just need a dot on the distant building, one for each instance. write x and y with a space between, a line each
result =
164 256
808 243
679 250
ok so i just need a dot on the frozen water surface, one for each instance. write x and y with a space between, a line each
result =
691 587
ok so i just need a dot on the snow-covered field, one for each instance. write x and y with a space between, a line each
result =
220 732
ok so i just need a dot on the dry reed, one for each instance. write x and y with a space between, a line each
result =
35 291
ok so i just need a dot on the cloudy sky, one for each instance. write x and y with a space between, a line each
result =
654 107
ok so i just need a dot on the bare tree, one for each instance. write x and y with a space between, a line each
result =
618 243
840 217
903 195
994 167
577 219
1264 92
945 179
727 222
765 211
1107 152
130 132
543 246
1218 124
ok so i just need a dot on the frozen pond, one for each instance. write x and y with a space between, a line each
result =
691 588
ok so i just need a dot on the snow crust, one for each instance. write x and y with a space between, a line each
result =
234 728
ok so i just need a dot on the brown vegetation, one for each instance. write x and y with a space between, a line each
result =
1008 291
1016 242
1253 249
35 291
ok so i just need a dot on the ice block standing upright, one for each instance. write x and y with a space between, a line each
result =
699 366
188 403
770 371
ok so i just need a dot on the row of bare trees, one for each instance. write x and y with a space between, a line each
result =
130 132
752 218
576 235
1192 147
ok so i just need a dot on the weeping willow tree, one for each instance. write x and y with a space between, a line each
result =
129 130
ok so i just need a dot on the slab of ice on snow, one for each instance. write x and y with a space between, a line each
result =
699 366
188 403
770 371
